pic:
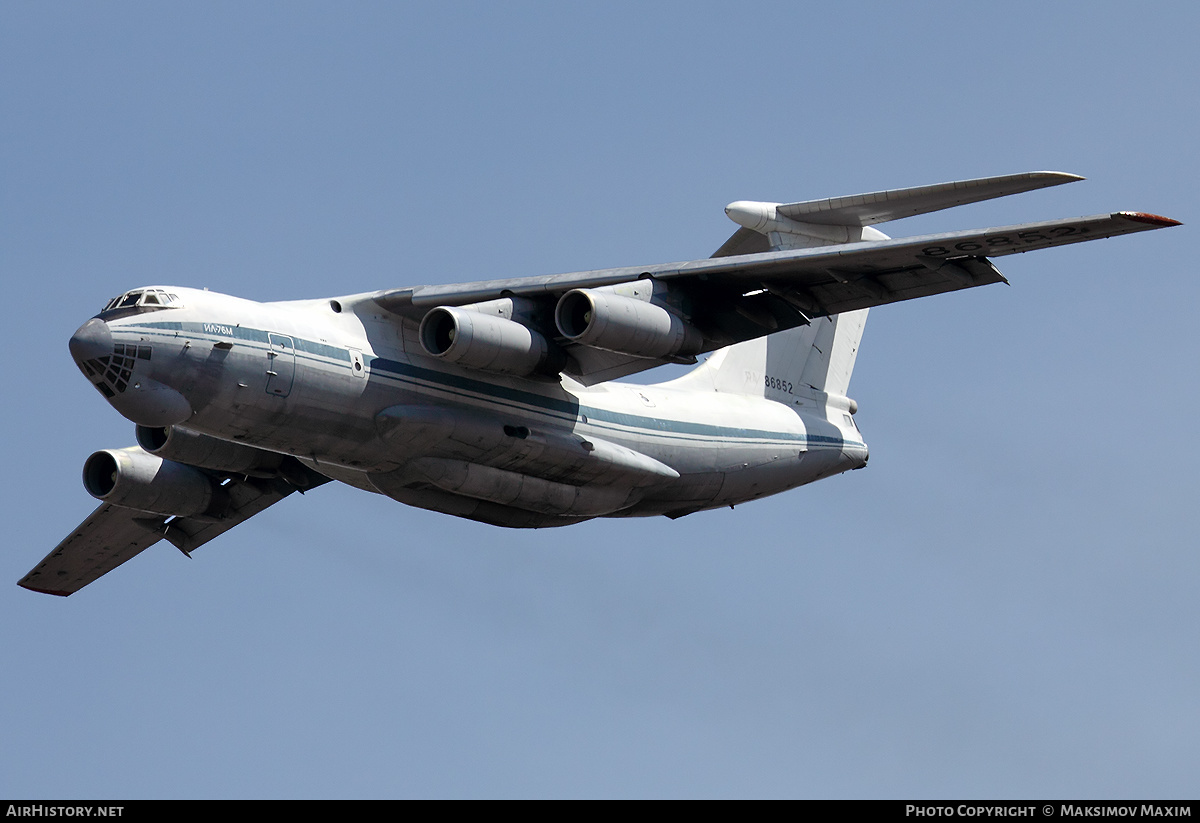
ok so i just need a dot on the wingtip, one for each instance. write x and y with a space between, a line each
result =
24 585
1156 220
1058 176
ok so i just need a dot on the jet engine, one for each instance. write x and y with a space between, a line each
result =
134 479
484 341
195 449
604 320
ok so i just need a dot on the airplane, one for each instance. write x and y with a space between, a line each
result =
499 400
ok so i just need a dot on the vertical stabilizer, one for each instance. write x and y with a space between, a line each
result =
830 361
819 357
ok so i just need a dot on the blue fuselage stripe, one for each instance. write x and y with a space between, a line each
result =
569 412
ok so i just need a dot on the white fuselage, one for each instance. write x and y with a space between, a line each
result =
352 394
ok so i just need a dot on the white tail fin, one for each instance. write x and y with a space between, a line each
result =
819 357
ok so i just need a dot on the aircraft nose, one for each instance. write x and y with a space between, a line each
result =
91 340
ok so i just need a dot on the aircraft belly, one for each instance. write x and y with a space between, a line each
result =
509 461
690 493
507 488
471 508
518 444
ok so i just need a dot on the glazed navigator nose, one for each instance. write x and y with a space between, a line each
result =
91 340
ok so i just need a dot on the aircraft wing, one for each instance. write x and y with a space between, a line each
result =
797 268
113 534
744 296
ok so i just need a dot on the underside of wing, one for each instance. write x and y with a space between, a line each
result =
112 535
836 279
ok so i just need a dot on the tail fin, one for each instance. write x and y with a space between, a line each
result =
804 361
819 358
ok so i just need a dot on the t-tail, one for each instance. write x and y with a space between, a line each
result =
812 364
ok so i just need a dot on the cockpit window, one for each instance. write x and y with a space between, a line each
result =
140 300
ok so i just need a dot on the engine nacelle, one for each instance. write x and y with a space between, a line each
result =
484 341
135 479
195 449
629 325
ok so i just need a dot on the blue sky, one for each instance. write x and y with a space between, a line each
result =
1002 605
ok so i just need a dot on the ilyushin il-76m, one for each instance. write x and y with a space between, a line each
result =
493 400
